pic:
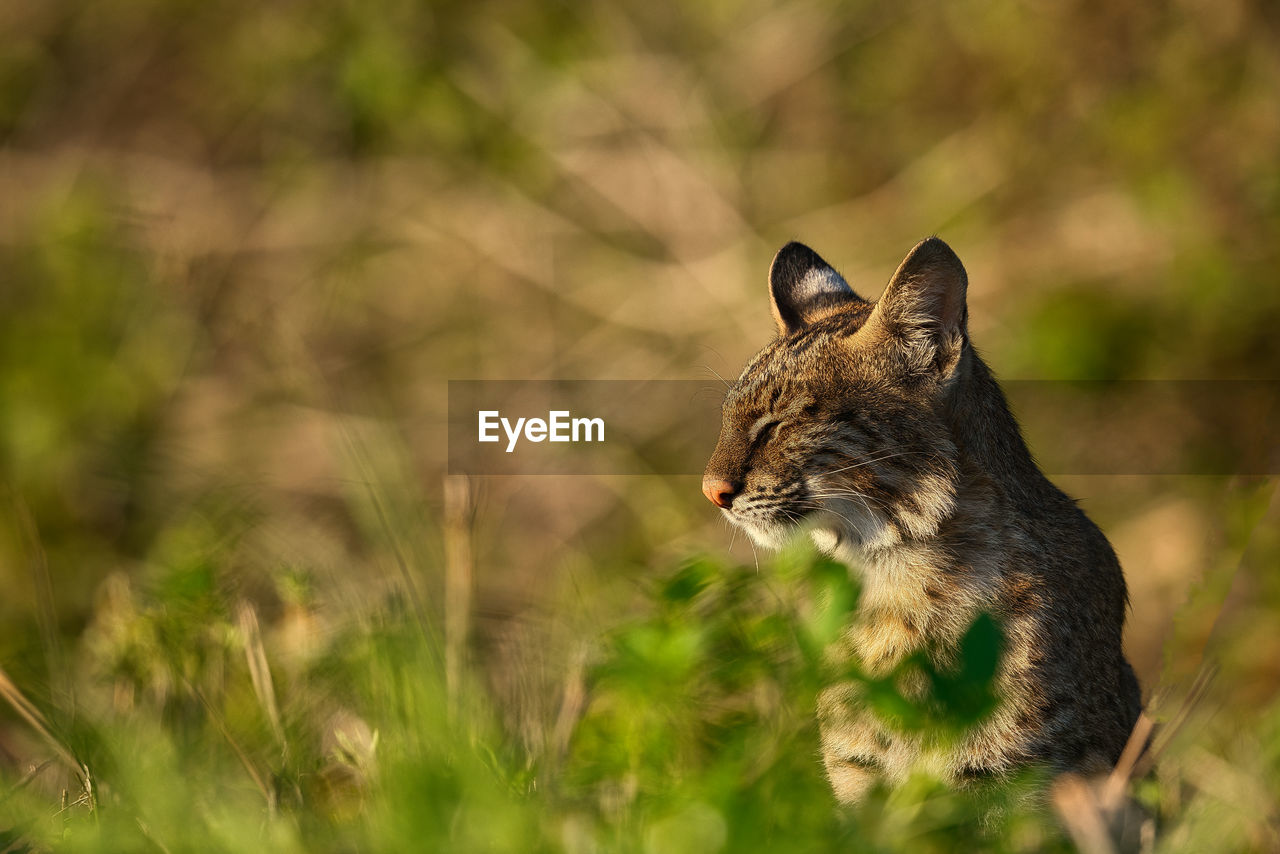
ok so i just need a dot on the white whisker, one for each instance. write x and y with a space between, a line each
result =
862 463
861 496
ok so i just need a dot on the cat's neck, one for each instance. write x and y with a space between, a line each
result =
989 443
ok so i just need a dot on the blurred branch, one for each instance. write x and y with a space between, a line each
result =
1073 800
459 572
573 703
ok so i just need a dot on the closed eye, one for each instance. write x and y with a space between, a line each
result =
762 430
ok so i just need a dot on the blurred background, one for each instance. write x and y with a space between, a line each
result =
243 246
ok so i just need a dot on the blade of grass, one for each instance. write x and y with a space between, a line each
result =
38 722
46 613
259 670
267 793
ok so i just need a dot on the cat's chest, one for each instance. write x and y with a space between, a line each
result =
880 640
910 601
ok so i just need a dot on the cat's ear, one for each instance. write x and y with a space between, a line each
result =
803 287
922 310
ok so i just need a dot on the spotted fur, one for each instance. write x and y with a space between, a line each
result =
878 429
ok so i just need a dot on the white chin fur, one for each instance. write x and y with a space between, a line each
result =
768 537
764 535
842 528
840 531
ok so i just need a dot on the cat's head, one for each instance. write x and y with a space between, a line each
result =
838 425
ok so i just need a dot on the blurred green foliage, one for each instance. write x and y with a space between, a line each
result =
698 735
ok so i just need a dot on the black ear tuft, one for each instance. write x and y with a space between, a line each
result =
923 306
802 285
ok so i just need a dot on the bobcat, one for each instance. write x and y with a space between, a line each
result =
877 428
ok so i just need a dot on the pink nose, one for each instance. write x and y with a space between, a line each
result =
719 492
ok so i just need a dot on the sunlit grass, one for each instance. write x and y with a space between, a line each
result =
693 730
